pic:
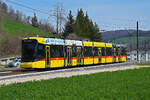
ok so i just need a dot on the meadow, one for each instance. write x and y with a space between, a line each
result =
118 85
145 64
15 28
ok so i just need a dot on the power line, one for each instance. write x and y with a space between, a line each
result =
28 7
54 15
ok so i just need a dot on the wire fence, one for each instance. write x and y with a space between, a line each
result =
143 51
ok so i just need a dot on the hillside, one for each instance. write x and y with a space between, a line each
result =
129 39
11 34
126 37
124 34
15 28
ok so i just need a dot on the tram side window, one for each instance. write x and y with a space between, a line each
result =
109 51
40 51
56 51
124 51
103 51
88 51
117 53
95 50
73 51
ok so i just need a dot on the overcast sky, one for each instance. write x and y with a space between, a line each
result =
108 14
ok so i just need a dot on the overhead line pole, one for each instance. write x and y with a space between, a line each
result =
137 35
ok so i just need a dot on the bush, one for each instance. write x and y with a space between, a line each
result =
10 46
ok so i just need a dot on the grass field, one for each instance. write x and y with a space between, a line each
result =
14 28
145 64
2 65
119 85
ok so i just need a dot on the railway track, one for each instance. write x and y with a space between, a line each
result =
28 73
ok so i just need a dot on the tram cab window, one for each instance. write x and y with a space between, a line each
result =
28 50
56 51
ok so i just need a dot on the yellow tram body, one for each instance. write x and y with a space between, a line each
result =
39 52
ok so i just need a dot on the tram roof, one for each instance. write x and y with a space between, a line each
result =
99 44
57 41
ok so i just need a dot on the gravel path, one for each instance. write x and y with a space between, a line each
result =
67 74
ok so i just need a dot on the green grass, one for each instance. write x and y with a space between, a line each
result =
119 85
14 28
9 69
145 64
2 65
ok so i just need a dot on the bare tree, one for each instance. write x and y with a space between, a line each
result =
45 25
11 13
59 15
3 7
19 16
1 25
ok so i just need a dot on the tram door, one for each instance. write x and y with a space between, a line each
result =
114 54
99 54
47 61
69 55
79 53
119 55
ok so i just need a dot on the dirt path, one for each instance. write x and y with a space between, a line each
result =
67 74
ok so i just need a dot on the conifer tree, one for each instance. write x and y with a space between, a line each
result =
79 24
95 34
69 25
34 21
85 28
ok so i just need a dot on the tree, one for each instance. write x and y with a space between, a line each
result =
59 15
69 25
34 21
46 26
79 23
84 27
4 7
11 13
88 25
18 16
95 33
26 20
1 25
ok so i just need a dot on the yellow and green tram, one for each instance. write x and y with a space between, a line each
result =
40 52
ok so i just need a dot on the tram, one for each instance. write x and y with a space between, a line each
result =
40 52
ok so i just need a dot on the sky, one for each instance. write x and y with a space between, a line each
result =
108 14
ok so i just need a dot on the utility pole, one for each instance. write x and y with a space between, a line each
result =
145 45
137 36
57 18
